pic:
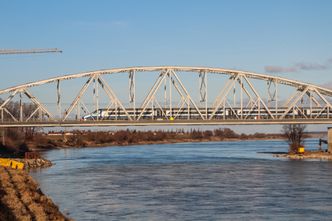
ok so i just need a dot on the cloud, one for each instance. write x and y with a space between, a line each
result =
311 66
302 66
279 69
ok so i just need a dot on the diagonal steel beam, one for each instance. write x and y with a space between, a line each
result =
253 106
154 88
187 94
223 94
314 99
160 108
181 104
232 109
39 104
294 103
183 100
229 83
78 97
10 114
257 95
107 88
321 112
294 95
301 111
8 99
32 114
323 98
152 92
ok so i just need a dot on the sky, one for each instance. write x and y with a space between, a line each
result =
281 37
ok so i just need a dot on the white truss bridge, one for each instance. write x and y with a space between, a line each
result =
164 95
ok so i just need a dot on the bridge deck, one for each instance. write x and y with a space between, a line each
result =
105 123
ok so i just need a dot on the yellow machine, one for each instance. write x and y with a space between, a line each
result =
300 149
11 163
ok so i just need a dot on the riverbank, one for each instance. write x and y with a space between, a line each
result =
22 199
79 139
310 155
18 142
35 163
91 144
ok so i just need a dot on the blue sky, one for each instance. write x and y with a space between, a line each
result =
292 36
246 35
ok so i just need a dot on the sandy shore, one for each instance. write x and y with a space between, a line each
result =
22 199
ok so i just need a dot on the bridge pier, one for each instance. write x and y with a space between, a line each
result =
329 139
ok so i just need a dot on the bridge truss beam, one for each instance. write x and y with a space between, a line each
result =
240 99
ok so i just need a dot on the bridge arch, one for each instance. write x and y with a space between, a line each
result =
254 108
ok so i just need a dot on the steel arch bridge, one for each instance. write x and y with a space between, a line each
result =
239 98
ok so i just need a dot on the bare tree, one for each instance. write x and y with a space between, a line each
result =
295 136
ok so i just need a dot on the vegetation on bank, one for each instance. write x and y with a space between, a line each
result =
21 140
295 135
125 137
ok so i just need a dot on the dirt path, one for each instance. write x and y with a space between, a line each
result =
21 199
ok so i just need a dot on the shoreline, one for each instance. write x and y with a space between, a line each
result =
39 141
125 144
308 155
22 199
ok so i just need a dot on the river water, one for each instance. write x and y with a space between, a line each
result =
188 181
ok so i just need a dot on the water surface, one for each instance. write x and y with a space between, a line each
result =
188 181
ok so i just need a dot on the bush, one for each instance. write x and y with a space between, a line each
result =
207 134
196 134
295 136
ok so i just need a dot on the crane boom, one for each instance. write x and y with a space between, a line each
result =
29 51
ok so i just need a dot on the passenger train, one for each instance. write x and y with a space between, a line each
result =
193 114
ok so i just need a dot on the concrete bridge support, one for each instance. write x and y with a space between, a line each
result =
329 139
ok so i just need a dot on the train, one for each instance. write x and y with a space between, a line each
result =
193 114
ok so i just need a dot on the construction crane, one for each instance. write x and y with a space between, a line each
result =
29 51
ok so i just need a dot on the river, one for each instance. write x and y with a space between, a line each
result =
188 181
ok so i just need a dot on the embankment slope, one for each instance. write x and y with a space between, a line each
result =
21 199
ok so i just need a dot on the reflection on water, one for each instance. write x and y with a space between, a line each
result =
192 181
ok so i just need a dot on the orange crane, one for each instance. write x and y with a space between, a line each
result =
29 51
